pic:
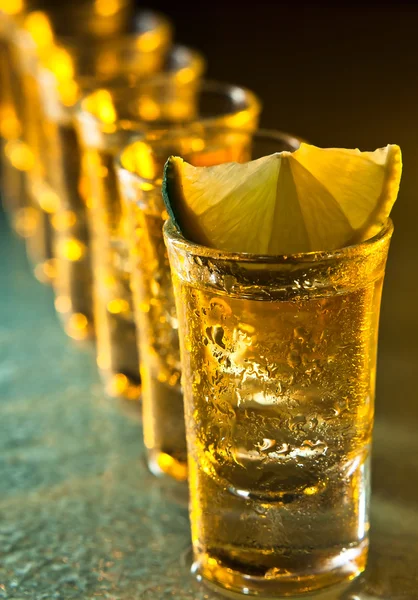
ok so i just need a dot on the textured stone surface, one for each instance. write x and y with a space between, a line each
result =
80 516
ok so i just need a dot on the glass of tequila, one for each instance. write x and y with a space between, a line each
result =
140 171
29 30
107 118
279 365
73 64
16 158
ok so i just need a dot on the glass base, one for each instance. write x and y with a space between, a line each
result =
119 385
342 568
161 464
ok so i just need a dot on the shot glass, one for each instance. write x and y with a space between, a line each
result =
72 65
15 157
140 172
25 32
107 118
279 365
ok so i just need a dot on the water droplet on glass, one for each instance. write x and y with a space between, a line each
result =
275 572
300 333
293 359
246 328
218 336
311 490
219 308
267 444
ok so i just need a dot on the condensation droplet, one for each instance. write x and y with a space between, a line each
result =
293 359
219 308
300 333
267 444
215 335
311 490
246 328
276 572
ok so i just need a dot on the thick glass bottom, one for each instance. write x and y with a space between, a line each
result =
309 573
117 351
164 432
161 464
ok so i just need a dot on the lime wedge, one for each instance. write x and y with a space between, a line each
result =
285 203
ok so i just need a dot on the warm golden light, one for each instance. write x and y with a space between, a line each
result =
62 304
140 160
69 93
47 198
63 221
172 467
50 268
240 119
77 327
119 385
149 41
107 8
118 306
185 75
104 108
197 144
107 63
10 127
61 63
45 271
12 7
72 250
26 220
39 26
19 154
148 109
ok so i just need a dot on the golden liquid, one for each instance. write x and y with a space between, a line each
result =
27 196
11 90
115 327
162 397
164 430
37 96
279 411
13 191
73 280
21 130
13 155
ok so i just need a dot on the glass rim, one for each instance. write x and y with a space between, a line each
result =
25 8
130 80
71 43
178 131
175 237
253 103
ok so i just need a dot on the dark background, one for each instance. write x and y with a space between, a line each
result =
343 75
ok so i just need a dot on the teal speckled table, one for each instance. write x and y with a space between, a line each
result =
81 517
